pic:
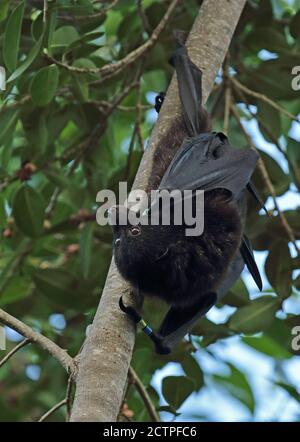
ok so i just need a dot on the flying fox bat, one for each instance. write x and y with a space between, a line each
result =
191 273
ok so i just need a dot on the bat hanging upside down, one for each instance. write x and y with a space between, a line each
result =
191 273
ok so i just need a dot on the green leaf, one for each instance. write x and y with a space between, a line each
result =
12 36
293 153
37 26
2 212
8 121
176 389
296 283
268 346
85 251
16 289
29 59
292 391
56 177
238 296
4 9
28 211
211 332
271 40
51 29
269 118
255 317
60 286
238 385
35 128
279 268
294 26
64 37
44 84
193 371
280 180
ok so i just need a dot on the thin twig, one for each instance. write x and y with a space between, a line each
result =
45 343
68 398
130 150
66 401
143 17
264 98
98 14
102 104
45 11
273 139
139 117
15 104
292 168
268 182
14 350
112 69
227 109
144 394
52 410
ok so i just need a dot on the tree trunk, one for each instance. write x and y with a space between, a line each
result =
107 351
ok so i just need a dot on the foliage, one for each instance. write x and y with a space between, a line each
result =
66 134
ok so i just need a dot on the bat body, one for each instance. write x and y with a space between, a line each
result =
190 272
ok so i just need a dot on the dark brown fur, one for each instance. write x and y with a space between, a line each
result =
162 259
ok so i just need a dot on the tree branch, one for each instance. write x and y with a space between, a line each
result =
107 351
52 410
264 98
144 395
37 338
14 350
111 69
98 14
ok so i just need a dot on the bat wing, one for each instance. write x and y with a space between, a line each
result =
178 322
189 79
208 162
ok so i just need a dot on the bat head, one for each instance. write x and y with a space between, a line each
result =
138 246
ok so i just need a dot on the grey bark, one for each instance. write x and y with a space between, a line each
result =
107 351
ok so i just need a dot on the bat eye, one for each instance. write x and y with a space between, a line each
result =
117 242
134 231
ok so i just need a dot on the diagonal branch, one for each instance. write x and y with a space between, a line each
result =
53 409
264 98
112 69
45 343
14 350
144 394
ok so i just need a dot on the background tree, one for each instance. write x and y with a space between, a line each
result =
72 123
